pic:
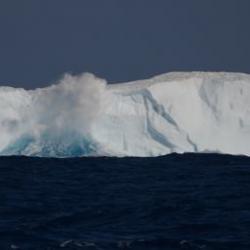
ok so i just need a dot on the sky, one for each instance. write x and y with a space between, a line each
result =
120 40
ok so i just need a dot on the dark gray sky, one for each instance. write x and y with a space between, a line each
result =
120 40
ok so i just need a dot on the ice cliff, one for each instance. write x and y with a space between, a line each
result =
83 116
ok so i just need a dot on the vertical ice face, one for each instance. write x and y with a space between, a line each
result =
175 112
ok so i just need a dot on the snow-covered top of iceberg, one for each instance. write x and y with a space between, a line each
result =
83 115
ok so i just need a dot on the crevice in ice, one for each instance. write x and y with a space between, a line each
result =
195 148
159 109
152 132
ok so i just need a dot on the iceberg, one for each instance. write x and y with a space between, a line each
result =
85 116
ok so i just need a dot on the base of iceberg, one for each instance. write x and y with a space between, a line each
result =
85 116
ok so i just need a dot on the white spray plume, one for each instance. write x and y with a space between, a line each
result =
72 104
61 113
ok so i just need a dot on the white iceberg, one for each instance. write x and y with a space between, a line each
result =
83 116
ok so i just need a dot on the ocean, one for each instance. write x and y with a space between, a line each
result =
189 201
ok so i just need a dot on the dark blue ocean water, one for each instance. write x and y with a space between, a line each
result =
190 201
